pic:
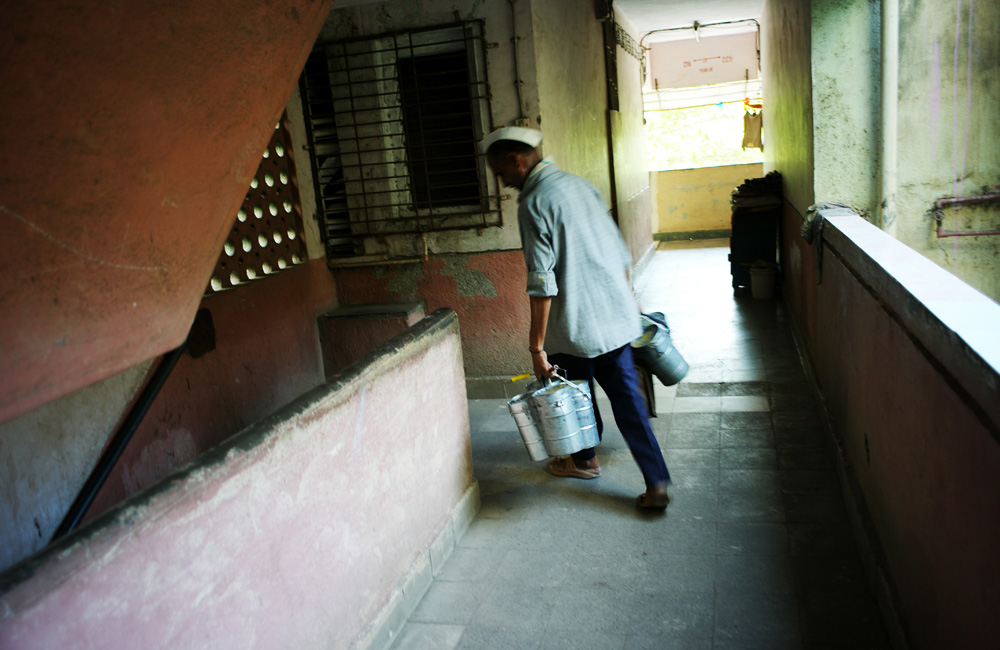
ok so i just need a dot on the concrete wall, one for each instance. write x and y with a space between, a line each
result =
47 455
313 528
696 202
572 95
573 109
267 353
787 89
947 135
635 213
486 291
348 334
903 99
920 457
131 135
845 47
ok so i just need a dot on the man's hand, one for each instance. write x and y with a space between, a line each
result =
541 366
536 337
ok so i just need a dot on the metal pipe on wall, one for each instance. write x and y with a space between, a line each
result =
941 204
522 120
890 114
611 80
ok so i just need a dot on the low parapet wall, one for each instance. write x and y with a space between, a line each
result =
317 527
907 360
695 203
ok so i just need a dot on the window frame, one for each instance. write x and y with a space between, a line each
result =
365 132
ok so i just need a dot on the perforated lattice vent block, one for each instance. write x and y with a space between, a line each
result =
267 234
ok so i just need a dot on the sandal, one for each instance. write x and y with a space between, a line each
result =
566 467
653 500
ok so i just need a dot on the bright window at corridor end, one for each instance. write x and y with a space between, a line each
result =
701 136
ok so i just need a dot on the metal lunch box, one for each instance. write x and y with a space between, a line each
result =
555 411
520 409
585 414
655 352
555 419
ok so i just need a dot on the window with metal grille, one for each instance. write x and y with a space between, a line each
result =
393 121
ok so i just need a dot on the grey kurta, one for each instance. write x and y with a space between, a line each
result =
575 254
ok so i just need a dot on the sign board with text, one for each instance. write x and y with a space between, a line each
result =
710 60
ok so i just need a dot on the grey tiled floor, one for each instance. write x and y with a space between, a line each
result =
755 551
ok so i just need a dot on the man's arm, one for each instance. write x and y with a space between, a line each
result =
536 337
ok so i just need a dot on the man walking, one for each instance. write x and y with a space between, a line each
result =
583 314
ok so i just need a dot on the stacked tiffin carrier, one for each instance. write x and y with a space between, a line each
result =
555 417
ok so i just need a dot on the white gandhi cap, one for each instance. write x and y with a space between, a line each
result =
530 137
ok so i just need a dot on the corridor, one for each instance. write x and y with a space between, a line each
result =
754 552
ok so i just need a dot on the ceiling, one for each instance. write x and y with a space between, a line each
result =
648 15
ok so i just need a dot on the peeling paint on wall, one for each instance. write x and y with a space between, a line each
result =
486 290
406 279
469 282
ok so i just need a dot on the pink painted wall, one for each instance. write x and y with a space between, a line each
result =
798 261
131 133
349 334
267 354
295 533
908 368
486 290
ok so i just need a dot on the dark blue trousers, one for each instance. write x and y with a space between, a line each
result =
615 372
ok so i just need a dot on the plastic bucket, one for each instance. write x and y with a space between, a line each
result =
762 282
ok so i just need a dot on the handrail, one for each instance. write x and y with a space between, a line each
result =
114 451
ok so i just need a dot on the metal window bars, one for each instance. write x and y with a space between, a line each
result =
393 121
